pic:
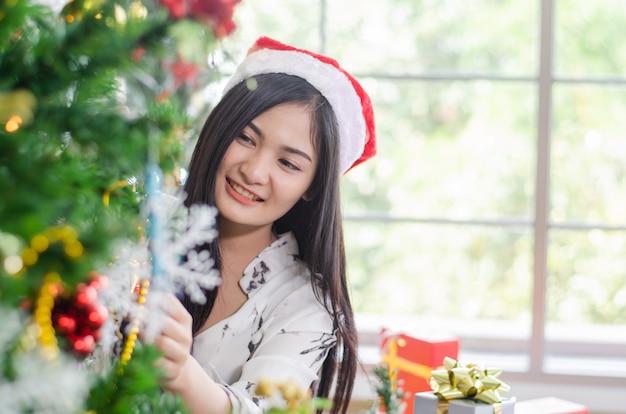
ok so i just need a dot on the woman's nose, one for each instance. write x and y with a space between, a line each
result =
256 169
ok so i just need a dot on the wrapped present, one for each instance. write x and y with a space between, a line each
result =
550 405
429 403
410 359
464 389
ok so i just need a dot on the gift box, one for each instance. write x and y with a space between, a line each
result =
429 403
550 405
464 389
411 358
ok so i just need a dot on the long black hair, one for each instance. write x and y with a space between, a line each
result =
316 223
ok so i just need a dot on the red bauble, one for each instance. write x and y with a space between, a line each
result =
65 324
86 295
99 282
79 317
84 345
97 316
177 8
217 13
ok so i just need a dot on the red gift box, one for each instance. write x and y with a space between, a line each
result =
410 360
549 405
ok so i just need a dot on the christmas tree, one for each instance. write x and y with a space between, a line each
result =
94 99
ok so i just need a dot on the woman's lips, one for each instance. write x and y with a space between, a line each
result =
241 192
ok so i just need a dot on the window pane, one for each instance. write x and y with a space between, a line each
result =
586 303
448 149
588 154
409 36
440 271
587 277
589 38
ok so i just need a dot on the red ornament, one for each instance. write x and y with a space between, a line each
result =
183 72
98 281
84 345
216 13
137 54
177 8
87 295
66 324
79 317
98 315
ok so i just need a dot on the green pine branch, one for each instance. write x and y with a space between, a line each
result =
388 391
135 391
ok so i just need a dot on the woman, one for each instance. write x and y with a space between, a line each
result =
270 156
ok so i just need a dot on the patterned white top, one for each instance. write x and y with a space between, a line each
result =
281 332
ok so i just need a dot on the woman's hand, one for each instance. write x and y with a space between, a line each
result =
174 341
183 375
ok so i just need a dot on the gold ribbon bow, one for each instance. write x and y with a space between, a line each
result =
467 381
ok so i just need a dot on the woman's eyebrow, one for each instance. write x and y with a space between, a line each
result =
286 148
296 151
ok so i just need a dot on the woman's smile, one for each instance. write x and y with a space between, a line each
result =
241 194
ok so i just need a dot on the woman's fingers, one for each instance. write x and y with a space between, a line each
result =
163 307
168 367
177 323
177 311
174 338
175 329
173 347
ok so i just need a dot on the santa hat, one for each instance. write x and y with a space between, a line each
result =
351 104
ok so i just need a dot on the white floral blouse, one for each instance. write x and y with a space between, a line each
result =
280 333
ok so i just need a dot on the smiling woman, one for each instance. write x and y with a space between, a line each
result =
270 156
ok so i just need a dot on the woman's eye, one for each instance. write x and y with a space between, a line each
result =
246 139
289 165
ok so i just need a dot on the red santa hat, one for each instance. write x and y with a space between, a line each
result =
350 102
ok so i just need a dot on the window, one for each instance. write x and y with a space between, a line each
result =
496 208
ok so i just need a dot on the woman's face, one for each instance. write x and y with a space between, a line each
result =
267 168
